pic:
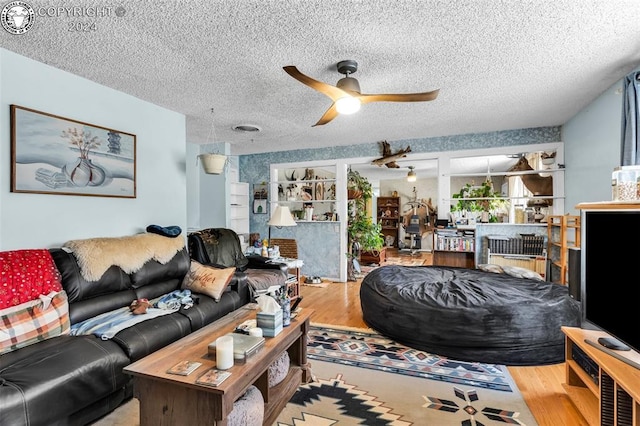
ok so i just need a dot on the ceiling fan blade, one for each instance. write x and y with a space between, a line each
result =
331 91
400 97
329 115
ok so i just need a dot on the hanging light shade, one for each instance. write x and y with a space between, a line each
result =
212 163
411 176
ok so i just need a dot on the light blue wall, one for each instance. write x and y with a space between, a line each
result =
40 220
207 198
592 149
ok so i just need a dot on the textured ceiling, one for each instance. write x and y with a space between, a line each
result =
498 64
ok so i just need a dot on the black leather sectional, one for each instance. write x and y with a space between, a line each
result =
74 380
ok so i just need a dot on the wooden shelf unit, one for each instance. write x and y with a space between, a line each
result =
454 250
563 234
615 398
388 215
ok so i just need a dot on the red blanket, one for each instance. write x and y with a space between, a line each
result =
25 275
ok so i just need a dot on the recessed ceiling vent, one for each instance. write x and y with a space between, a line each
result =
246 128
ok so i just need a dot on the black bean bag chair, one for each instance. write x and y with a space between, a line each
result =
469 314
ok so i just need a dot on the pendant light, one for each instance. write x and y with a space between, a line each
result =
212 163
411 176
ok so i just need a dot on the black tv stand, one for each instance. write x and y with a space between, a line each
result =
611 343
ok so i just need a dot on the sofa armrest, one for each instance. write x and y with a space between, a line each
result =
240 284
259 262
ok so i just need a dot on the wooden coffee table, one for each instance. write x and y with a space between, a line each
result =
168 399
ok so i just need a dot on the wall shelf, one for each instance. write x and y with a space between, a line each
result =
528 172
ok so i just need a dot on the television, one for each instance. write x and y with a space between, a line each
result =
610 289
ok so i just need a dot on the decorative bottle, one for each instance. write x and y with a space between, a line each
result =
285 302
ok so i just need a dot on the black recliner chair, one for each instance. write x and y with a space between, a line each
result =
220 247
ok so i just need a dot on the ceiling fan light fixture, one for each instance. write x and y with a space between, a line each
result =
348 105
411 176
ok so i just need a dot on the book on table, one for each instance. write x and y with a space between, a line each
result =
213 377
184 368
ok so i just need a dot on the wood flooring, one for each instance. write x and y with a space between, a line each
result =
541 387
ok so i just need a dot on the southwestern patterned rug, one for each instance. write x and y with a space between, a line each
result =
363 378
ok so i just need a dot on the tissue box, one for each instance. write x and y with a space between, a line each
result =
271 324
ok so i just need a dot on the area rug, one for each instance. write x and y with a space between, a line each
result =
363 378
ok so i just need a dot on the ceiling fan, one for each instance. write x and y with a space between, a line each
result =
346 95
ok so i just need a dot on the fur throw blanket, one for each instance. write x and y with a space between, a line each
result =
96 255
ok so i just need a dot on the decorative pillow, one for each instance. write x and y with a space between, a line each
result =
490 267
517 271
26 274
208 280
34 321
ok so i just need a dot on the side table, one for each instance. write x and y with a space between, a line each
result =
293 280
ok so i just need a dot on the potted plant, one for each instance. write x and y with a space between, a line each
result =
365 236
358 187
479 199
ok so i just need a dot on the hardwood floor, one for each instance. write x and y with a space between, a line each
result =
541 387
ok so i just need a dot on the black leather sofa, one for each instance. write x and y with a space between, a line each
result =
74 380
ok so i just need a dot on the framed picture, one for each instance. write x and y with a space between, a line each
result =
57 155
260 196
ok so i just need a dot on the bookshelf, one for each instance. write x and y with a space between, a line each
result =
563 234
454 247
388 216
525 251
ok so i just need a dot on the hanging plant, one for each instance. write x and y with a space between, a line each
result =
481 198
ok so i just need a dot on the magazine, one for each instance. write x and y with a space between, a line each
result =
184 368
213 377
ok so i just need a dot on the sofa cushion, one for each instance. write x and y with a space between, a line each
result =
149 336
208 280
78 288
154 271
56 377
520 272
32 322
25 275
206 310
